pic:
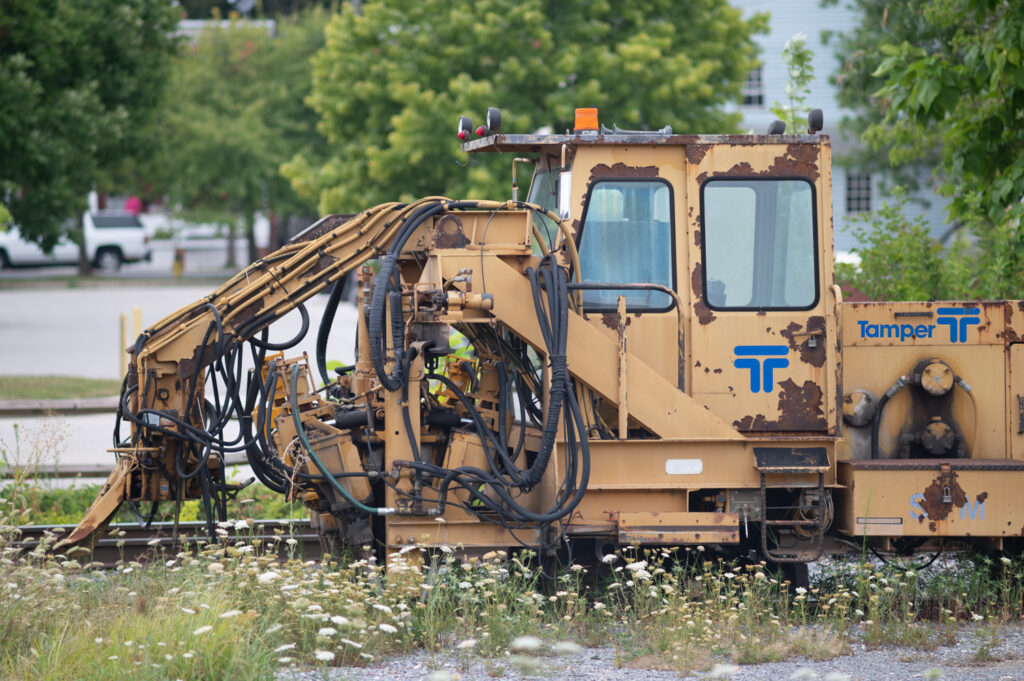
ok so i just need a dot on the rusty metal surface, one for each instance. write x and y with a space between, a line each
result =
678 528
934 464
534 142
791 459
321 227
942 498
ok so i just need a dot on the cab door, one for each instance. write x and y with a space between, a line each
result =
627 233
763 338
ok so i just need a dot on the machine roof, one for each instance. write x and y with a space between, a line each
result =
526 143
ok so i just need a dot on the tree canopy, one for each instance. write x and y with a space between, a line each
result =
77 81
949 87
391 82
234 112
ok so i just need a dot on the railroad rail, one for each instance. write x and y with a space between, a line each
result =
132 542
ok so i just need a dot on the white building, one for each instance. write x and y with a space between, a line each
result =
852 193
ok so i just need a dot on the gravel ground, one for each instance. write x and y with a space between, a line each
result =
957 663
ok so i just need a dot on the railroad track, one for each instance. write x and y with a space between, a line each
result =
130 541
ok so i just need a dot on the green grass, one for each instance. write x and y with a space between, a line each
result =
236 611
43 503
56 387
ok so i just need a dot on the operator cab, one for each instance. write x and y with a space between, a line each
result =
735 226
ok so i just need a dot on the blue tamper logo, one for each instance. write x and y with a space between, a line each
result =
958 319
761 360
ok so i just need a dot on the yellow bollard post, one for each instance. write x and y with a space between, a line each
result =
137 326
123 344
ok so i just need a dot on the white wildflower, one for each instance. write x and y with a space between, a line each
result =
324 655
723 671
229 614
268 577
387 628
202 630
286 646
526 644
566 648
638 565
609 558
327 632
467 644
340 620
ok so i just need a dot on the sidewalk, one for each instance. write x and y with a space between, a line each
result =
92 405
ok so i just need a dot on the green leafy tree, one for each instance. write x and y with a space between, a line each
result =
859 51
952 91
392 81
78 80
234 113
799 60
900 260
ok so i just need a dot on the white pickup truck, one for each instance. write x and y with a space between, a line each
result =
111 238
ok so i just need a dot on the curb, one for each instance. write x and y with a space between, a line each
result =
93 405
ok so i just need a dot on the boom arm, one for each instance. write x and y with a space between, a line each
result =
177 443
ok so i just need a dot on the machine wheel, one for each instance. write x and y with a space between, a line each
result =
109 259
5 262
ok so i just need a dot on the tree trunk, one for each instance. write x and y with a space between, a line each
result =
84 266
275 232
231 263
250 235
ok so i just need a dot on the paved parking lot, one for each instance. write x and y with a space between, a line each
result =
75 332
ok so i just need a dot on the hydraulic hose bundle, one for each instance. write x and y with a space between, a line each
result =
493 492
201 429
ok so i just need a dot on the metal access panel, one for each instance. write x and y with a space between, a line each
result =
929 498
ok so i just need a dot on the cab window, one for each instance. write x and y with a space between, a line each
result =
627 239
759 240
544 193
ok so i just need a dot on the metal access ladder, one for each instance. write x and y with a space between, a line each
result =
792 461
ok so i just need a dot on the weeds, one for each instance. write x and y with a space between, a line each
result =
234 610
237 611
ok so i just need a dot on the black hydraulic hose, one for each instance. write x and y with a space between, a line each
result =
324 332
266 345
406 417
554 330
502 405
381 293
301 431
264 456
375 326
485 433
877 422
